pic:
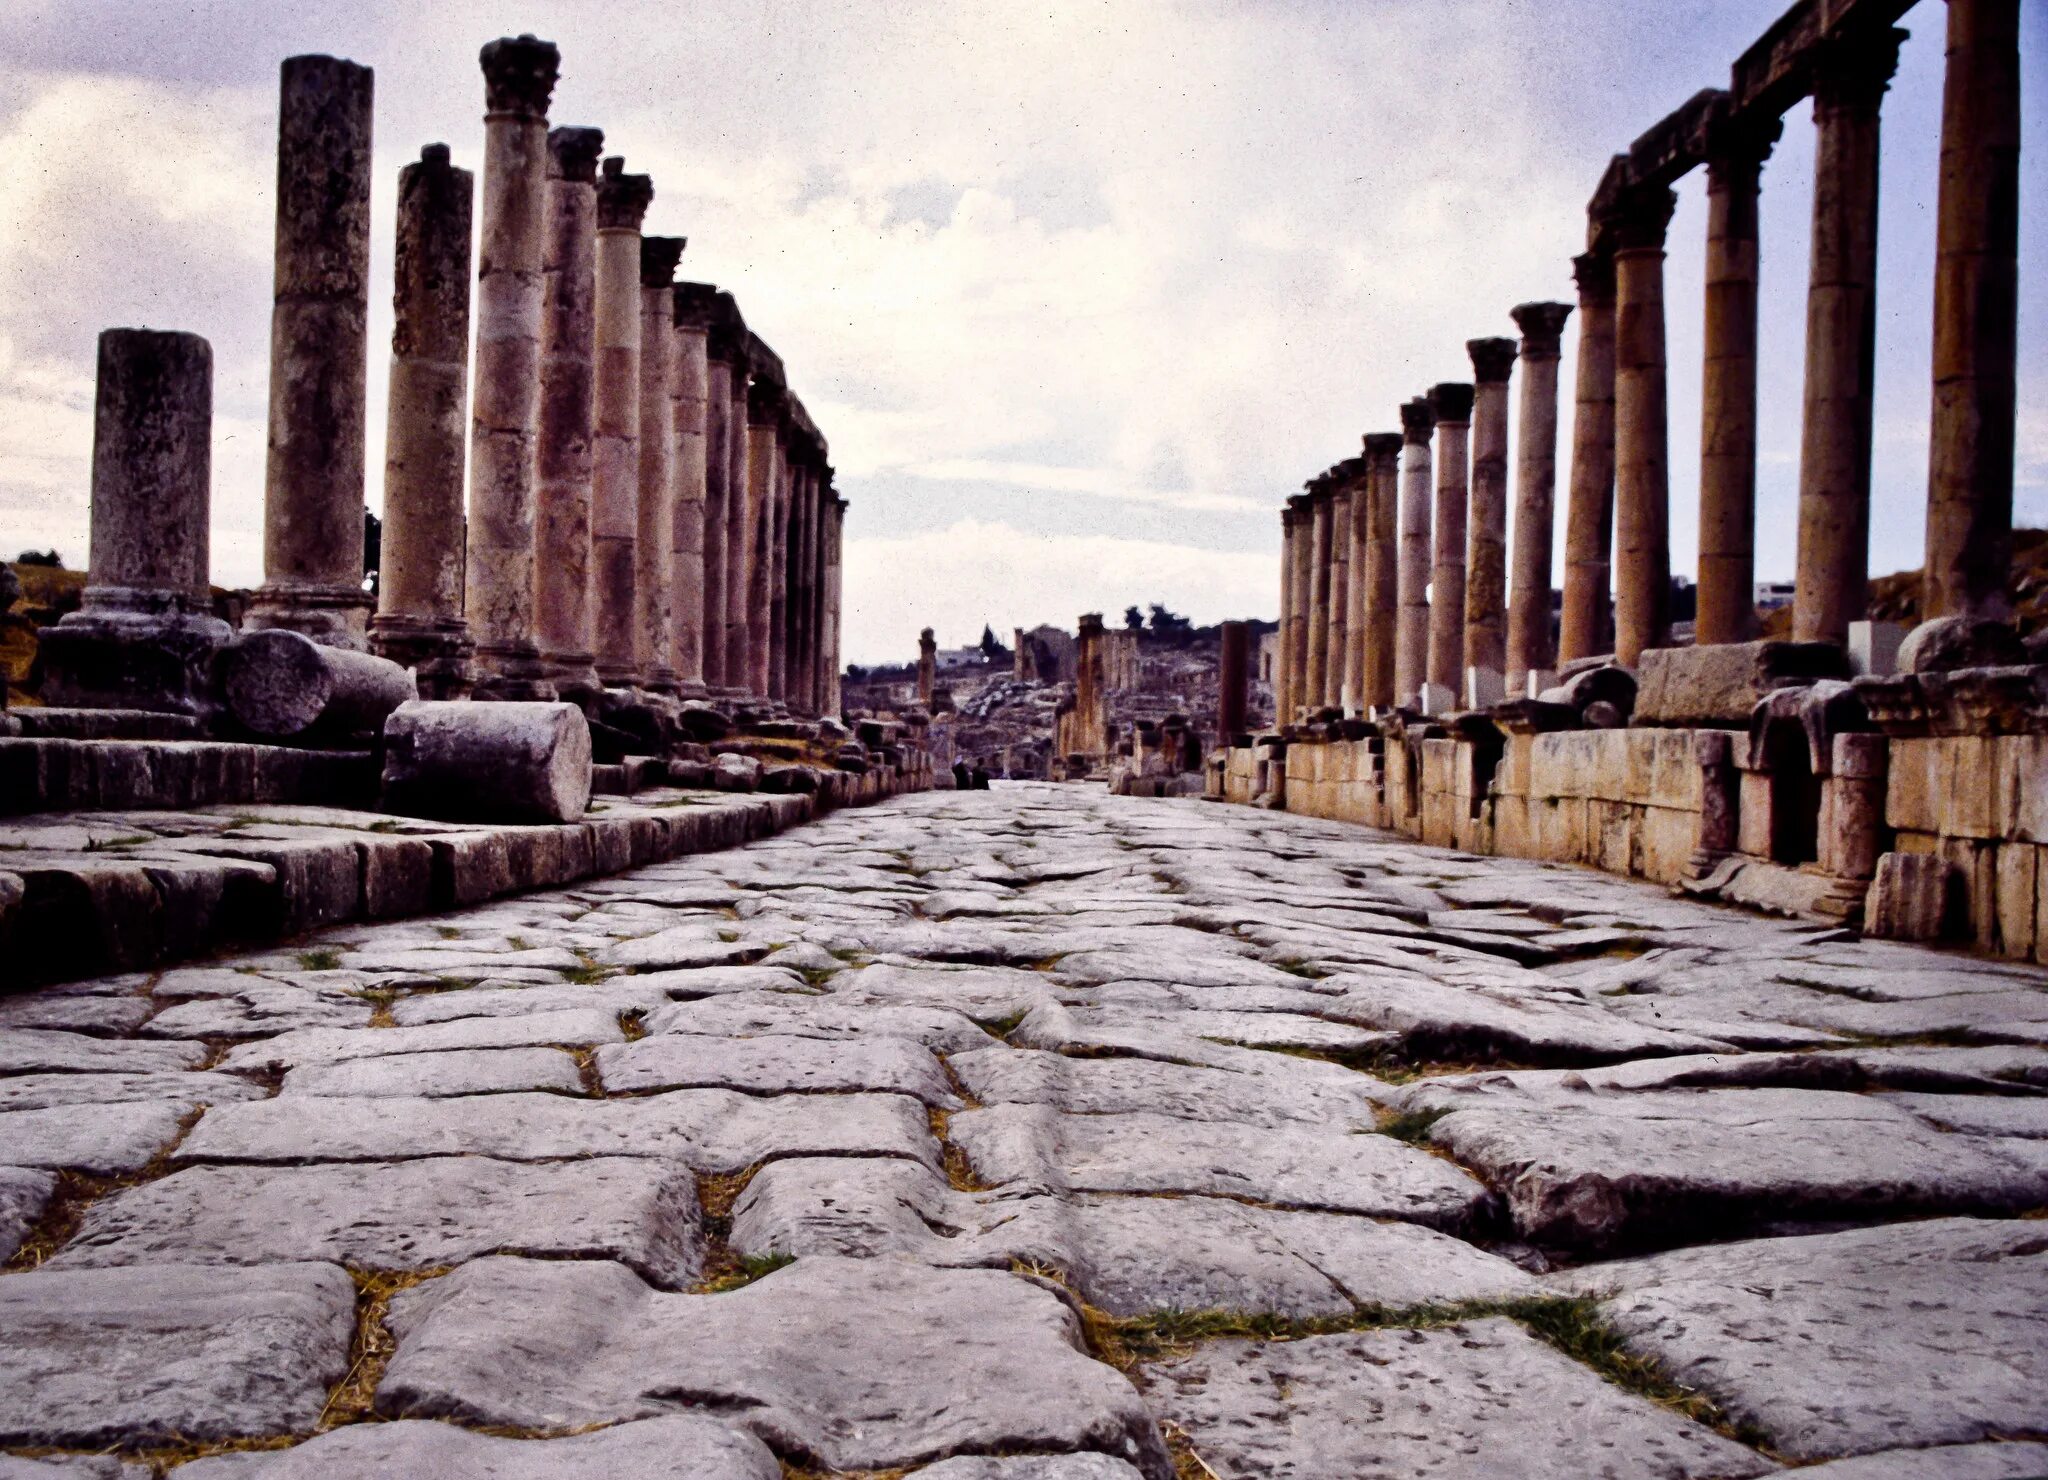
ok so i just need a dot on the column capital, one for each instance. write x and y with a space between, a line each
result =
1381 450
1542 325
1638 216
1450 401
1298 503
519 75
573 152
1854 70
696 307
764 403
1732 142
1493 360
1594 274
1418 420
622 199
658 258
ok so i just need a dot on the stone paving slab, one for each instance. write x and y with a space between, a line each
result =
77 1014
404 1215
191 1087
776 1063
849 1364
455 1071
1904 1336
338 1045
166 1352
709 1130
1448 1404
621 995
48 1050
2015 1461
678 1447
108 1140
746 1015
1028 1467
70 1467
24 1194
1287 1092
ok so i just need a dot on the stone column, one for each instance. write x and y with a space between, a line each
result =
562 458
764 430
690 384
1530 650
622 202
144 636
778 567
1338 641
1382 563
519 75
1358 520
1727 592
319 357
1589 513
1411 632
1232 669
1833 576
731 332
1283 698
654 548
1320 525
927 666
814 589
1092 735
1450 406
696 305
419 585
1302 557
1484 680
835 596
1642 481
1976 297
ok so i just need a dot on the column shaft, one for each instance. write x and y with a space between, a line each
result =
1642 478
717 498
1232 669
1451 404
1486 559
764 417
615 459
654 550
1382 563
1297 647
1339 639
691 385
778 571
739 513
1317 673
1282 660
1589 512
1530 647
1359 522
1411 636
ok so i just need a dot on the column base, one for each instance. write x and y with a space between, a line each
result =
574 676
512 673
439 653
333 616
159 662
662 680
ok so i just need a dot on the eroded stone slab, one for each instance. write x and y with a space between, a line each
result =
747 1015
2016 1461
24 1194
1286 1093
455 1071
188 1086
677 1447
50 1050
336 1045
105 1139
776 1063
1029 1467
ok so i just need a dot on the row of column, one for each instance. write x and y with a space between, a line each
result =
649 508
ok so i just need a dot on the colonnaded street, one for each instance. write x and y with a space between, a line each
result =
1036 1133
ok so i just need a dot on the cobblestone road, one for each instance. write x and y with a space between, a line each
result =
1034 1133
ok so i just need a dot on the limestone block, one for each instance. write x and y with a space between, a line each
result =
2007 1461
1720 684
2018 873
502 762
1122 1085
580 1025
1945 644
776 1064
24 1193
178 1087
106 1139
1753 833
2023 786
1976 864
675 1447
455 1071
280 684
1034 1467
1665 841
1970 790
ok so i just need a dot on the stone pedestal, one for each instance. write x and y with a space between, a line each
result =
1411 637
1589 513
622 201
519 76
1382 561
1233 669
145 635
419 588
654 551
1642 482
1450 405
1486 563
319 357
562 607
1530 647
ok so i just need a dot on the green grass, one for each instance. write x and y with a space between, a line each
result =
326 958
744 1270
1412 1126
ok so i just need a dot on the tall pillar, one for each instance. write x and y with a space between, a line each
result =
1589 512
1450 406
1642 476
1283 699
1232 673
1832 584
1382 562
622 202
1091 732
1358 520
730 334
319 357
1484 680
764 433
697 304
1302 559
519 75
1321 522
835 595
928 666
1411 633
1530 649
1339 639
419 583
654 550
562 466
778 565
690 384
1727 590
1976 306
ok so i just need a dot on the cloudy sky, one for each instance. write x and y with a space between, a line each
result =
1079 292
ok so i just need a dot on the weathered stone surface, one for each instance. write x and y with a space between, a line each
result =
170 1352
1443 1403
1720 683
279 684
24 1193
748 1015
1029 1467
337 1045
458 1071
625 994
983 992
1185 1091
75 1014
1840 1343
257 1011
677 1447
1287 1166
684 946
104 1139
1437 1020
405 1215
710 1130
776 1063
188 1087
44 1050
504 762
848 1364
2020 1461
70 1467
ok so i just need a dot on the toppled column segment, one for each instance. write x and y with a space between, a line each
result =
506 762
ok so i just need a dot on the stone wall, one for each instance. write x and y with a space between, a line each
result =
1981 803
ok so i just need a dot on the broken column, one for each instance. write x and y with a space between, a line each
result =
519 76
1233 669
1484 680
511 762
1091 735
144 636
562 472
1727 589
319 357
622 201
1450 405
419 586
1530 648
1642 487
927 666
654 547
282 685
1976 297
1382 561
1589 511
1411 633
1833 575
690 373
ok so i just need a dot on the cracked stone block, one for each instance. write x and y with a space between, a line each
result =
47 1050
1280 1096
337 1045
257 1011
69 1467
461 961
984 992
1286 1166
1440 1021
1128 1255
105 1139
718 981
682 946
750 1015
1979 1115
455 1071
73 1014
776 1063
405 1215
677 1447
170 1352
1028 1467
24 1194
188 1087
623 994
1162 1031
2011 1461
709 1129
1904 1336
1447 1404
841 1364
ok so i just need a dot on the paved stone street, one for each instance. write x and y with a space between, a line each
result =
1035 1133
